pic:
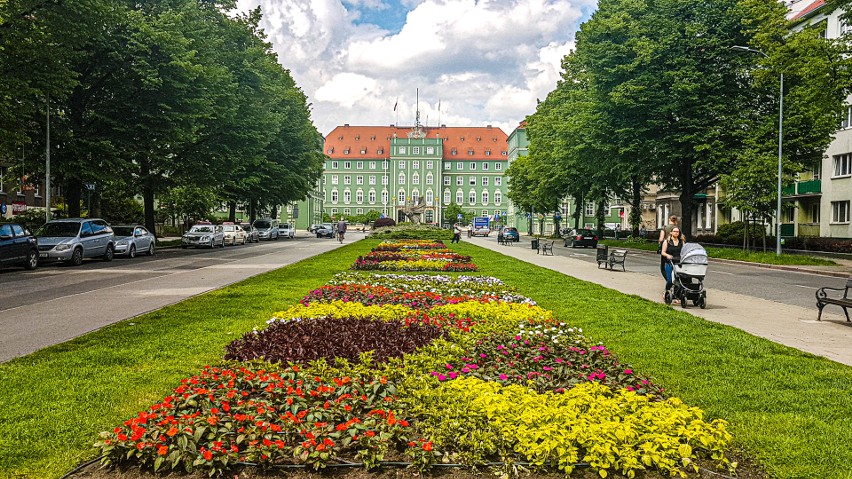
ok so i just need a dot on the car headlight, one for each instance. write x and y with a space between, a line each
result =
205 238
62 247
121 243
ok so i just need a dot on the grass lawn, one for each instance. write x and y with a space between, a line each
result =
790 410
738 254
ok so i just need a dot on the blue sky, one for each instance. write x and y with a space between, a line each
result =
485 61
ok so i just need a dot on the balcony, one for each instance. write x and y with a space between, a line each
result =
803 188
808 229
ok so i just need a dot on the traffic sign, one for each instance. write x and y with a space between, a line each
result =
459 216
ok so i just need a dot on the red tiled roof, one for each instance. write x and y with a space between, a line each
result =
371 139
810 8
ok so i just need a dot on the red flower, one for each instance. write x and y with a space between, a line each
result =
208 455
427 446
162 450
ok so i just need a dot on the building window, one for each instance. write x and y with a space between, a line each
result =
400 197
430 197
359 197
385 197
347 211
471 180
401 150
840 212
590 209
815 213
347 165
429 178
359 180
447 197
334 165
459 180
347 196
415 197
846 117
415 150
471 197
459 197
484 197
484 181
415 178
333 179
498 197
347 180
385 180
330 151
334 196
385 164
472 165
415 164
843 165
498 166
372 180
430 165
430 150
454 152
360 164
448 166
447 181
485 165
372 165
459 165
430 218
346 151
484 213
372 196
380 151
401 165
402 178
498 181
333 211
359 211
470 152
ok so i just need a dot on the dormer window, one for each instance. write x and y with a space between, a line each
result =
363 151
469 152
487 152
357 137
380 151
340 137
504 153
454 152
330 151
346 151
478 138
461 138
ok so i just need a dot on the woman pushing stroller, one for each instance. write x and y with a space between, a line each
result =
671 253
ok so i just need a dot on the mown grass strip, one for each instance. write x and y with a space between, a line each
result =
789 409
768 257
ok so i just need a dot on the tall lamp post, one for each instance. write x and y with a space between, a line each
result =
780 137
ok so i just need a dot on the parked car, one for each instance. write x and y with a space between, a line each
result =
511 234
203 235
326 230
252 235
286 230
267 228
73 239
17 246
234 234
131 239
313 228
580 237
481 231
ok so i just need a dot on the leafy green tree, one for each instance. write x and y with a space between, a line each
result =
187 202
452 212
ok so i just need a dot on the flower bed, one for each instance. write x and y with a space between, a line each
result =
413 255
420 369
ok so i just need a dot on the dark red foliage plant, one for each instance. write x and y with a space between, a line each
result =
300 341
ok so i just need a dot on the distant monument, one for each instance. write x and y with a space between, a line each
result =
413 212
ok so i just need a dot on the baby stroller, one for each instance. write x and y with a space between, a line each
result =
688 276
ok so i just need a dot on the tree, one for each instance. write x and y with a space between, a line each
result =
187 202
452 212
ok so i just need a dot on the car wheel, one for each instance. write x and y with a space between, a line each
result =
132 252
212 243
77 257
573 244
244 242
110 252
223 243
183 246
32 260
151 250
318 236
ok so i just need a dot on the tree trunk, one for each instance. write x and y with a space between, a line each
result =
635 212
274 213
147 195
600 217
232 211
74 195
252 210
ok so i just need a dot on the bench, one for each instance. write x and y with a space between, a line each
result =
823 299
617 257
546 246
503 240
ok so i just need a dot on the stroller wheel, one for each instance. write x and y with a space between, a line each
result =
668 297
683 301
702 303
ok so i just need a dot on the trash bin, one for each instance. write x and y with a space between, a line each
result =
534 243
603 254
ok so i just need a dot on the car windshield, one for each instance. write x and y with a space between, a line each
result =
246 226
229 228
201 229
261 224
123 230
64 229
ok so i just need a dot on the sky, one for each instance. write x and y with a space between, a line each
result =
474 62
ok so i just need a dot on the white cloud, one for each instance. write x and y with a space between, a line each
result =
487 61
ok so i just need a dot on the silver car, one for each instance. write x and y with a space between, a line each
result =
73 239
286 230
203 235
251 232
133 239
267 228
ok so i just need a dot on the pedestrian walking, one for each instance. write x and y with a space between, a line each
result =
456 233
664 235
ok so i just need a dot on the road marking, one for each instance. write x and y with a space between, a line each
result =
723 272
804 286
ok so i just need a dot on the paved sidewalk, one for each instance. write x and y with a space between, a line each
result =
792 326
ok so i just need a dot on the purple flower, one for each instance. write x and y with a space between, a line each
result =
503 377
453 375
441 377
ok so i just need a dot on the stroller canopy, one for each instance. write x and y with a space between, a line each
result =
693 253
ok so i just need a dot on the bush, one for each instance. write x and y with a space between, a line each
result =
382 222
412 231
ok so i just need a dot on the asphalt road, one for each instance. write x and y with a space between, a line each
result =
57 302
787 287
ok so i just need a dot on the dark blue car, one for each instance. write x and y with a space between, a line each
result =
511 234
17 246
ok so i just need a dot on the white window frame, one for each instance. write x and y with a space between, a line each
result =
447 181
430 198
840 212
372 179
485 197
347 165
400 197
347 197
472 165
401 178
334 196
498 166
401 165
385 197
459 180
498 181
459 197
484 181
471 180
415 165
429 178
471 197
448 166
371 197
359 180
347 180
401 150
385 180
842 165
459 165
360 165
448 197
372 165
498 197
334 180
359 196
485 165
430 165
335 165
415 178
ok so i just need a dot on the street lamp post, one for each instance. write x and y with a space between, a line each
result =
780 150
